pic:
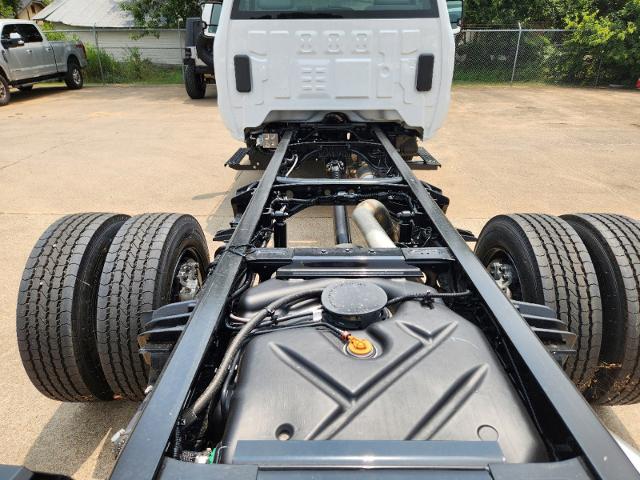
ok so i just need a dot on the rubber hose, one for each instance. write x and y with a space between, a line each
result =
191 414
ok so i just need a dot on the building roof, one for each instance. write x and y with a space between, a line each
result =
86 13
25 3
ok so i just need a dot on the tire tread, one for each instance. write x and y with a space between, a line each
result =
571 288
556 271
44 316
128 289
620 236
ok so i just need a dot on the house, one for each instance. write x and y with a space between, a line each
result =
113 28
69 14
27 9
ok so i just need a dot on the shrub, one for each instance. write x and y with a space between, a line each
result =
603 48
51 33
132 69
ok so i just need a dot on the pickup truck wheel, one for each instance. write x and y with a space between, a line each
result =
56 314
541 259
194 83
5 92
613 241
74 77
25 88
145 269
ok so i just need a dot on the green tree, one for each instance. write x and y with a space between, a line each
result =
547 13
605 43
161 13
8 8
543 13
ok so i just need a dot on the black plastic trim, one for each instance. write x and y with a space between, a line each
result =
242 67
424 75
42 78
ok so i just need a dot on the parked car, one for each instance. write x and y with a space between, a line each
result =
27 57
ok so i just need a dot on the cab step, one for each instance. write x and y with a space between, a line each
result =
424 161
235 161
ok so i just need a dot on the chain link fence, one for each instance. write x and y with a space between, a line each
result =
506 55
128 55
512 55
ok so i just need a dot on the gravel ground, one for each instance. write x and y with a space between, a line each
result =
140 149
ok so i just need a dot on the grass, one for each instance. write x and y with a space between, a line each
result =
133 69
159 76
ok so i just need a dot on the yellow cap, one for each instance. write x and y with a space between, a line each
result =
359 346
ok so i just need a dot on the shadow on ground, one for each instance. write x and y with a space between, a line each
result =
209 100
223 214
37 93
208 196
93 423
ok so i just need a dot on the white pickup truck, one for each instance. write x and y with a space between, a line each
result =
27 57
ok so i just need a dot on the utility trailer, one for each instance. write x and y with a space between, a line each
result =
394 352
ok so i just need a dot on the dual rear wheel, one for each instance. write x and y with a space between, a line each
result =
91 278
587 269
85 289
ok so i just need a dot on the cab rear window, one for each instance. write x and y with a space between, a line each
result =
277 9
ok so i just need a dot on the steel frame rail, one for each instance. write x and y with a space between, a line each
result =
143 453
600 449
142 456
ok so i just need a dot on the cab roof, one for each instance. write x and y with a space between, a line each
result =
13 21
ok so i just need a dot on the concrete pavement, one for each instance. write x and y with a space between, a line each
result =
142 149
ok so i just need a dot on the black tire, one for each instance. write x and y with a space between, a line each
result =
204 49
553 268
138 277
5 92
56 315
25 88
194 83
613 241
74 78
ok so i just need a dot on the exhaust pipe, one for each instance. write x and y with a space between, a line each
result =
340 217
374 221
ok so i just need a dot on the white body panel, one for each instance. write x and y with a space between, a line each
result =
304 68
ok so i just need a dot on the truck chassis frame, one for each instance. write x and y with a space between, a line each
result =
565 420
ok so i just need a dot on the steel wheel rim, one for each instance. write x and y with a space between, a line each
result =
3 91
77 78
501 258
187 256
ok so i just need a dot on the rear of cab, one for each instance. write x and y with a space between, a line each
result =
297 60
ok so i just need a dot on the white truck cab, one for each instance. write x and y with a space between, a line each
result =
299 60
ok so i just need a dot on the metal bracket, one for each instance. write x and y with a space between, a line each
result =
425 161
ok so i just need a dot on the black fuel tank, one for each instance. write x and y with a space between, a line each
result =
433 377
